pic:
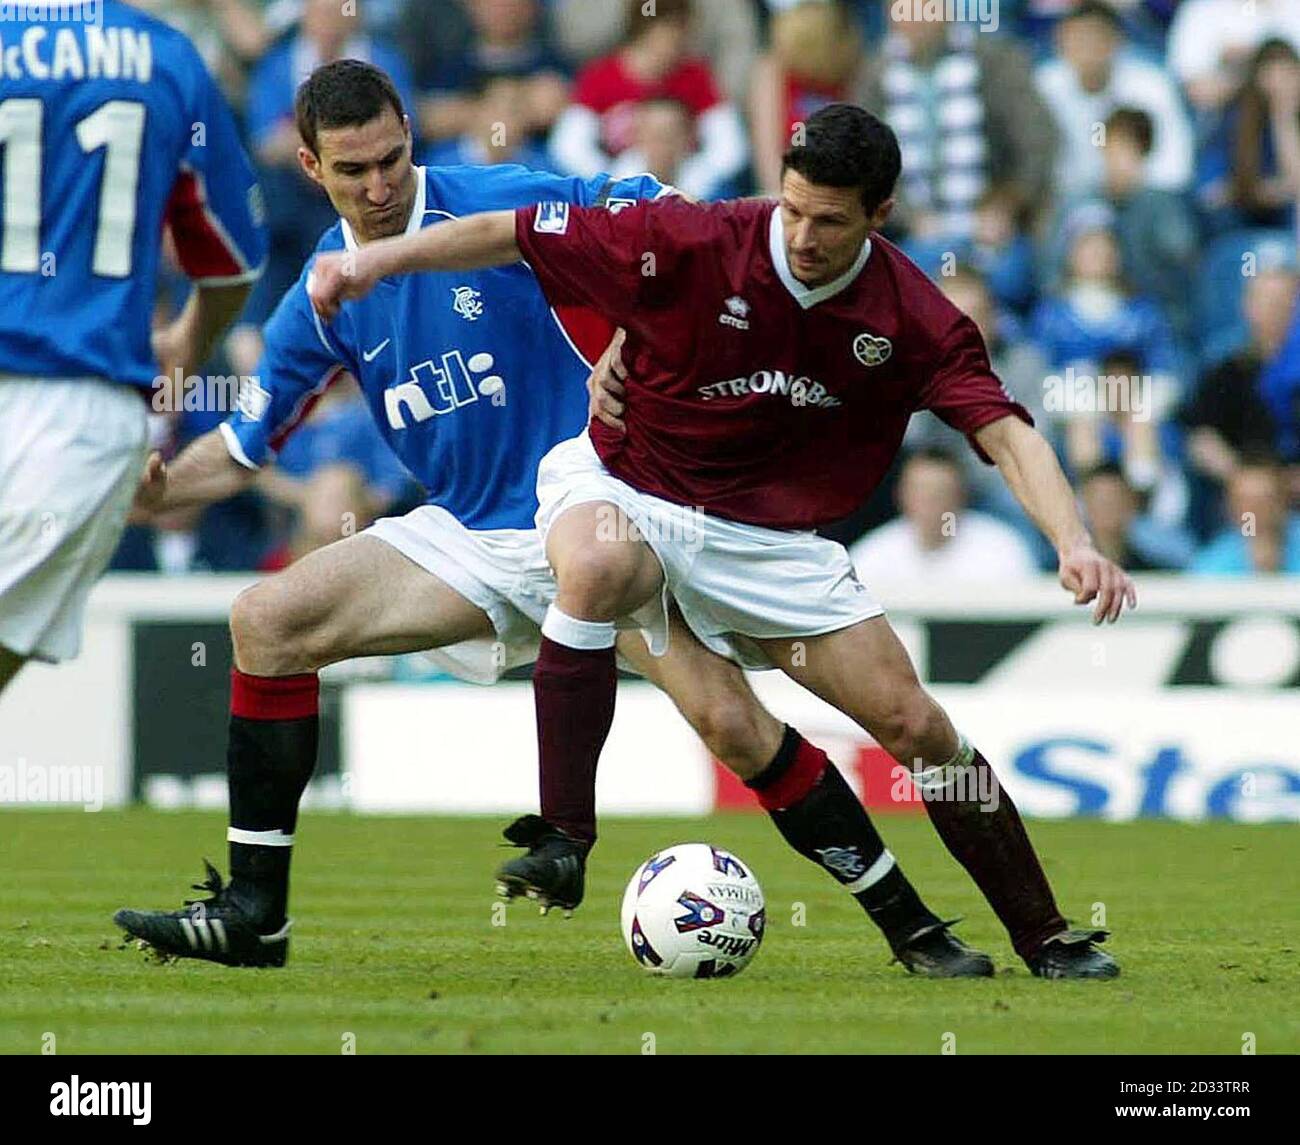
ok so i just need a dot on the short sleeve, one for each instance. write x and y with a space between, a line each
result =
964 391
215 210
299 360
614 262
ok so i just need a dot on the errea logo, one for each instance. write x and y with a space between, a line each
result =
737 313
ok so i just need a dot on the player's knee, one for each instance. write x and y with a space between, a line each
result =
265 639
598 582
912 726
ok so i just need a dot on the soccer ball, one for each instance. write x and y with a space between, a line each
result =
693 911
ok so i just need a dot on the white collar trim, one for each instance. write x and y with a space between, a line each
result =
413 223
808 296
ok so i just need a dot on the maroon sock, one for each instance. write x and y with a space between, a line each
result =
995 850
574 690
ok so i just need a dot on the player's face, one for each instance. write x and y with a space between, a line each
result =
825 228
366 171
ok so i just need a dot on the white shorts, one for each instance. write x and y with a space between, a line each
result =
71 455
502 571
734 583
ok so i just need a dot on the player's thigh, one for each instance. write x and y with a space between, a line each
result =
712 694
601 561
356 597
865 672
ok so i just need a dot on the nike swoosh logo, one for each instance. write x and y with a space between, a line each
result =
371 355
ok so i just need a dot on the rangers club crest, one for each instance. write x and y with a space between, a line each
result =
871 350
467 302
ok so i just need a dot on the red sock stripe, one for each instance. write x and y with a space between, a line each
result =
273 697
809 763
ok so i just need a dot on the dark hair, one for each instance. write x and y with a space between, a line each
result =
1135 122
1096 9
1260 457
345 93
1104 469
1251 129
1121 362
937 455
845 146
637 19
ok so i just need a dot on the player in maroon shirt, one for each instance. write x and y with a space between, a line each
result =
775 352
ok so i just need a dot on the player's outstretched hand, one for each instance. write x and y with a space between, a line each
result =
606 384
338 276
150 492
1090 576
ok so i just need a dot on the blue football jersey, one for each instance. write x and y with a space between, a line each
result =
470 375
110 127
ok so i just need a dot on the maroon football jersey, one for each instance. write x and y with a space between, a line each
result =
751 396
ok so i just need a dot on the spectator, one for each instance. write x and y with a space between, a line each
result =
1155 228
1111 509
1212 41
1227 417
662 140
1093 73
498 130
937 538
483 40
1094 314
653 63
1263 120
965 111
813 60
1264 537
725 32
1124 426
296 211
1019 365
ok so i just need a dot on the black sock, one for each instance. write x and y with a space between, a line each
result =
270 758
819 816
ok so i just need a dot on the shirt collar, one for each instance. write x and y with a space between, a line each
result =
413 223
808 296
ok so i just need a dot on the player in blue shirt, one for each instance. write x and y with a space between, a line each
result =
110 129
471 378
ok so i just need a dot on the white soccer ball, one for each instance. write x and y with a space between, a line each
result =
693 911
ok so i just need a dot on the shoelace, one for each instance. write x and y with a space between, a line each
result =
212 883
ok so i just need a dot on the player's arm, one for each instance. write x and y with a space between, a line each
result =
215 216
204 473
299 359
1029 466
471 243
189 340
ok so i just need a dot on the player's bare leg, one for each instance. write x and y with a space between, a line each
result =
603 571
865 672
812 806
10 662
357 597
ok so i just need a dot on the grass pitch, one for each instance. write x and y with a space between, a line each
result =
395 945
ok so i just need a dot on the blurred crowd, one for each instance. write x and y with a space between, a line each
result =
1109 189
